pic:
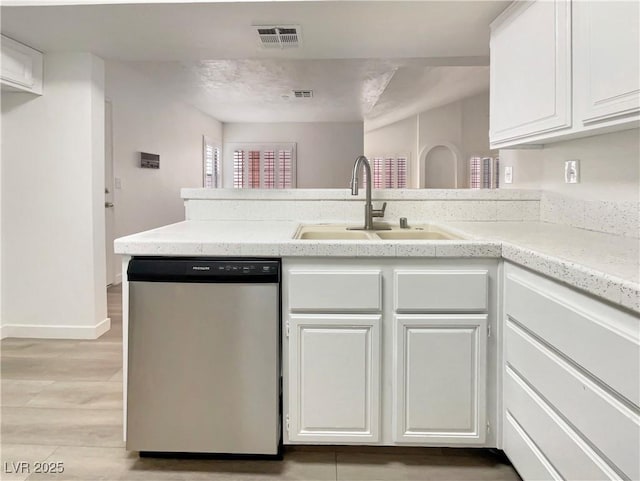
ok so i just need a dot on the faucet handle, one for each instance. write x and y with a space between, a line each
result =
379 212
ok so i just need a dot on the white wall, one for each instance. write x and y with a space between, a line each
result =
399 138
52 203
463 125
609 165
1 322
325 150
149 119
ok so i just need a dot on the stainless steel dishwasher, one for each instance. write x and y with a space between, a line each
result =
203 356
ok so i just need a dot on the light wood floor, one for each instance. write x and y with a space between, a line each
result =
62 402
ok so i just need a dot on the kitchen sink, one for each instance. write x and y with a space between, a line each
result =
342 232
333 235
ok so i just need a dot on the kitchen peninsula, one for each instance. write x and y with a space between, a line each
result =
436 342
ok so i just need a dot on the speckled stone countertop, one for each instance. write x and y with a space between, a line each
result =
601 264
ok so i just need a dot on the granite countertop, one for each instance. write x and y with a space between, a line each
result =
601 264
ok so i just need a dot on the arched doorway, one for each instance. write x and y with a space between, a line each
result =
439 167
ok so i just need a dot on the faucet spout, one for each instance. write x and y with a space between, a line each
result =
361 160
368 206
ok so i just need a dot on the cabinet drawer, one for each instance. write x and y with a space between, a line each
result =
610 425
441 290
335 290
524 454
564 449
602 347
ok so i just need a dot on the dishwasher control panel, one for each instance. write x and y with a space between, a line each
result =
237 268
203 269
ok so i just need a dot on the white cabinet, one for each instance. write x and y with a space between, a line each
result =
434 290
332 343
440 378
388 351
571 387
334 378
21 67
563 69
337 290
607 59
530 70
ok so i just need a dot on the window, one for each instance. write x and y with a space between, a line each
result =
264 166
484 172
211 164
389 172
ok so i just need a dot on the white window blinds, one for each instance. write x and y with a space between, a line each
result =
211 164
484 172
389 171
264 166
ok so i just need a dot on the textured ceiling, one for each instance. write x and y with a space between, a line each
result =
377 91
376 61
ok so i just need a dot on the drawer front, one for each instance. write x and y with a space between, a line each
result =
441 291
557 323
611 426
335 290
564 449
525 456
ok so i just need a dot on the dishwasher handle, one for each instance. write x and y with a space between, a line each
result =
203 270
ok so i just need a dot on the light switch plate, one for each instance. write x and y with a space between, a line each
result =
508 174
118 183
572 171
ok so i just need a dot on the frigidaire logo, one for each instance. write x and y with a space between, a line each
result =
201 268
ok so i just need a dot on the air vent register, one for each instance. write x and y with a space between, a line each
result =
272 36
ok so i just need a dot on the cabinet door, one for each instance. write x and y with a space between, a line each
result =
530 70
21 67
334 378
439 382
607 59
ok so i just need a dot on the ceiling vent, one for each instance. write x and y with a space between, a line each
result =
303 94
272 36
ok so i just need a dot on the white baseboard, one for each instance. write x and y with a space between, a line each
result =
55 332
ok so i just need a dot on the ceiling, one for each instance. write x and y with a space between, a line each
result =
377 61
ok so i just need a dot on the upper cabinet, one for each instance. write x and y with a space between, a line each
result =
606 60
562 70
530 70
21 67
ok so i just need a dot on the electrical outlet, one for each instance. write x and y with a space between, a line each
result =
118 183
508 174
572 171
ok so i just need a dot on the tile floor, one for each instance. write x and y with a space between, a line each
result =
62 403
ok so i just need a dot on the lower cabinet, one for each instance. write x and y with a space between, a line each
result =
334 378
387 352
571 382
440 378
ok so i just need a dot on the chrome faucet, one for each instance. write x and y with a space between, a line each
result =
369 211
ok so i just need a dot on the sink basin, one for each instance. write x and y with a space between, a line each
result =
331 232
341 232
333 235
414 234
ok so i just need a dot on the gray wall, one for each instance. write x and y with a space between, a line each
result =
325 150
